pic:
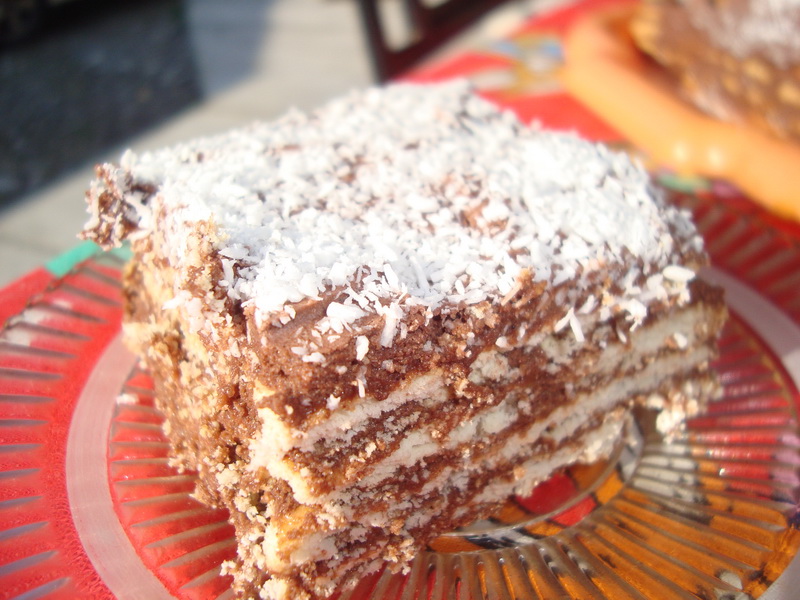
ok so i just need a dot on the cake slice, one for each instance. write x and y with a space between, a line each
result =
737 60
374 323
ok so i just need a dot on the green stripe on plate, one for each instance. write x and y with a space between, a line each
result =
62 264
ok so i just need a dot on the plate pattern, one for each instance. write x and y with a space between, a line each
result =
754 246
181 539
46 354
712 514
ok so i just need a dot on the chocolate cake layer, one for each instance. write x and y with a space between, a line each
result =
373 323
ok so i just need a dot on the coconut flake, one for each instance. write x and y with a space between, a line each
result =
502 343
575 326
391 277
588 306
314 357
333 402
348 313
362 347
637 312
680 340
678 274
564 321
391 315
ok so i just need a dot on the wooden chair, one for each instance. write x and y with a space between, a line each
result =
429 23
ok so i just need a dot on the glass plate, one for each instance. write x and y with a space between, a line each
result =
90 507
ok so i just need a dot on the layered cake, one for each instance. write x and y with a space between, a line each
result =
738 60
371 324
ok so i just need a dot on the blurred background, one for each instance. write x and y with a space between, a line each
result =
80 76
90 75
81 80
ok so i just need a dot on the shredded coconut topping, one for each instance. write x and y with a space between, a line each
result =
362 347
400 196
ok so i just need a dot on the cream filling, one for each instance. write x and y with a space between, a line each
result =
591 447
562 422
276 438
678 330
324 546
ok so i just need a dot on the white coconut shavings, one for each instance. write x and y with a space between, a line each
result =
681 341
346 313
564 321
362 347
392 315
636 311
575 326
361 385
577 331
179 299
502 343
333 402
407 195
678 274
589 305
314 357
